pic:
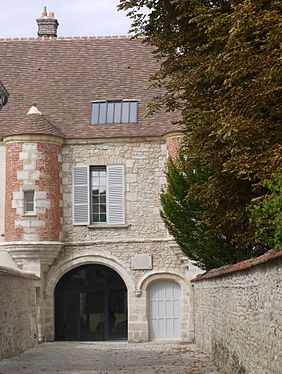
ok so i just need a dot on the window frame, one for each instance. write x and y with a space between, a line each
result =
109 115
92 169
27 202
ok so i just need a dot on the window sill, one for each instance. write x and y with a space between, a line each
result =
102 226
29 215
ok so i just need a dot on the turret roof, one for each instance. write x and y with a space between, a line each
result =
34 123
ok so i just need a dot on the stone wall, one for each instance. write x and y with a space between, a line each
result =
144 177
113 246
2 190
144 232
238 315
18 322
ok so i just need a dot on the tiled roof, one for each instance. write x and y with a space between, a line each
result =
33 124
239 266
64 75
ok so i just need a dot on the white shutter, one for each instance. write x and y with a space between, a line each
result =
81 204
115 190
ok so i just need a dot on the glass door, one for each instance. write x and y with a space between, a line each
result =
91 315
91 304
117 314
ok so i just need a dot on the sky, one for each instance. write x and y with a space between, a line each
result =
75 17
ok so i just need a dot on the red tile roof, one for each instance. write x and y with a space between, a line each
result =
64 75
240 266
33 124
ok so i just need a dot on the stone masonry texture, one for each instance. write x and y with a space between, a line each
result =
238 318
144 177
47 26
18 321
2 190
13 185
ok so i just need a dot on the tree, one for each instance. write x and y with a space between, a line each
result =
183 218
267 213
220 66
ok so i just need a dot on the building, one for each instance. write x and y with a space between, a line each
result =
81 173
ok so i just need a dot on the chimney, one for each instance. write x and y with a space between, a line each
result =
47 25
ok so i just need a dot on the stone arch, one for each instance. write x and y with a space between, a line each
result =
148 278
62 268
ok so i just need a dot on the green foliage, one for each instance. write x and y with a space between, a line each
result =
267 213
183 217
221 69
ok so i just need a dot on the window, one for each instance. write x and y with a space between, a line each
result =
28 202
98 195
113 112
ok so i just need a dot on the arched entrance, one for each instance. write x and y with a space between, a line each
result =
91 304
164 310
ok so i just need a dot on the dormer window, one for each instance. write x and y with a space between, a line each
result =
114 112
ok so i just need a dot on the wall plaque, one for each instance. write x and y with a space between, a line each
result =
141 262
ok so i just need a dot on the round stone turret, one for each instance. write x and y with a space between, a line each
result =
33 210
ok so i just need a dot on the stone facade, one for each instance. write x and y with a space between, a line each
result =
143 233
2 190
114 246
144 177
238 316
18 314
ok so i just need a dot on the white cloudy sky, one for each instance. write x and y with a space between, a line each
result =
76 17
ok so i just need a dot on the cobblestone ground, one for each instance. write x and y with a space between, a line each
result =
110 358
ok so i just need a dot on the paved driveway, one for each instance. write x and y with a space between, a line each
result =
110 358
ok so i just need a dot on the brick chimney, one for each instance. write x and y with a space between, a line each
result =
47 25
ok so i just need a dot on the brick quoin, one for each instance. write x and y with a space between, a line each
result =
50 182
173 146
13 165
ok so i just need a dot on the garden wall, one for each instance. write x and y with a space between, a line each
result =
238 319
18 323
